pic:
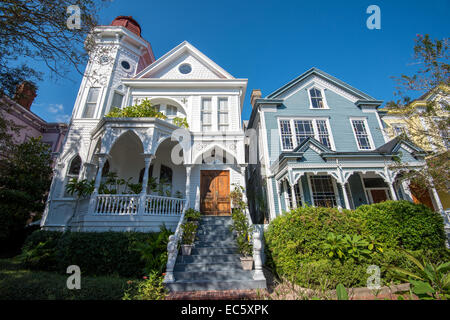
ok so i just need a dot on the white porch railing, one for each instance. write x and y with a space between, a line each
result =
116 204
163 205
129 204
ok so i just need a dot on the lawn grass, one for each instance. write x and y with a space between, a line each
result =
18 283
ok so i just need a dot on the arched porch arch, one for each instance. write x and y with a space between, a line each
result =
215 154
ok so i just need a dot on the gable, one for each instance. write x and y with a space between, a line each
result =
321 78
198 69
168 66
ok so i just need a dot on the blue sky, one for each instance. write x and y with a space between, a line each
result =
272 42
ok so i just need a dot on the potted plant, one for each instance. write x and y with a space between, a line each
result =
242 228
187 240
192 215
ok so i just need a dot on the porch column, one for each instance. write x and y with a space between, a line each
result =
344 192
188 182
147 160
98 179
391 188
294 198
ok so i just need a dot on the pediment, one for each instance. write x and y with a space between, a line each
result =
184 62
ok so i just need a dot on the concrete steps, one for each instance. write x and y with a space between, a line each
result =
214 263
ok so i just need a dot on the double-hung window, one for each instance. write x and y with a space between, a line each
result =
91 103
171 110
206 112
303 129
361 134
316 99
286 134
222 109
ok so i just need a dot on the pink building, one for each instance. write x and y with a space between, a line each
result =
31 125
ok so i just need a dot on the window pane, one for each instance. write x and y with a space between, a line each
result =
324 136
93 95
323 191
206 104
91 103
316 98
117 100
223 104
361 134
171 110
223 118
286 134
303 130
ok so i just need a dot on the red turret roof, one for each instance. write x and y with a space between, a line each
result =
129 23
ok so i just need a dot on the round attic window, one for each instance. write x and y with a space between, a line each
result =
185 68
125 64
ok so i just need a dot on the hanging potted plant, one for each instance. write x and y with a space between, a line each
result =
187 240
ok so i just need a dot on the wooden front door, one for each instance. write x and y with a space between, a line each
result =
215 192
378 195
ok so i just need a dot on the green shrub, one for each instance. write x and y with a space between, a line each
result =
317 246
151 288
405 224
96 253
20 284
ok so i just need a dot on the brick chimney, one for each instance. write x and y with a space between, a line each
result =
25 94
256 94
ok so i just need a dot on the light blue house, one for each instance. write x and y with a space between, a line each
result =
319 141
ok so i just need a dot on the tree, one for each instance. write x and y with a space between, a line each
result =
25 177
37 31
431 80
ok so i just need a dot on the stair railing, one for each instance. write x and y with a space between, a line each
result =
172 247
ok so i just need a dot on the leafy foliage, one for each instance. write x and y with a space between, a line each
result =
152 288
324 247
25 177
189 231
153 251
341 292
141 110
241 225
36 30
17 283
429 281
96 253
192 215
181 122
404 224
431 78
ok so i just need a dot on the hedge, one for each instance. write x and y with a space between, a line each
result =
404 224
295 241
20 284
96 253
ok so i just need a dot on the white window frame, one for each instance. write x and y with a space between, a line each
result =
210 112
221 126
315 128
99 97
324 100
112 98
369 134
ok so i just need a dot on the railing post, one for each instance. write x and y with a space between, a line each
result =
98 179
172 248
257 248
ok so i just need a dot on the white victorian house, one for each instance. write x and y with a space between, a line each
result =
197 166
